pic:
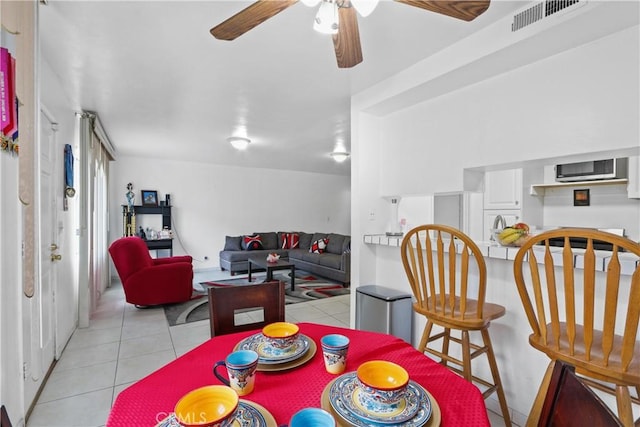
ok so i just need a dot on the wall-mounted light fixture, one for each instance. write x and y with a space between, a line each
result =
239 142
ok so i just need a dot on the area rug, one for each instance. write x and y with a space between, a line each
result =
308 287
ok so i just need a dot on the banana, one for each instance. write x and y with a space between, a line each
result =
506 233
511 238
509 235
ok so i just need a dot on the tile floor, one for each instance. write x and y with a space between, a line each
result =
123 344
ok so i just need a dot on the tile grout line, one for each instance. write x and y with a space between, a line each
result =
115 372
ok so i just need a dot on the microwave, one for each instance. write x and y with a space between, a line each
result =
592 170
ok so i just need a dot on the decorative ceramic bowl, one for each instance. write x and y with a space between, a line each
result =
312 417
382 386
210 406
281 335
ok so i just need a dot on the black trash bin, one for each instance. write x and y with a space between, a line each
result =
382 309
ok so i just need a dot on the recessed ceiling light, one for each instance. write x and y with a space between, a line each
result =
239 143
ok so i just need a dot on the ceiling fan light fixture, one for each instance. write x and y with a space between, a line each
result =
239 143
364 7
326 21
339 156
310 3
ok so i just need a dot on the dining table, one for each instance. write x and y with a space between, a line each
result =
283 392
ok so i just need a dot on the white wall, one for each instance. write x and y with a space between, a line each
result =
213 201
584 100
581 101
10 289
12 356
16 16
609 208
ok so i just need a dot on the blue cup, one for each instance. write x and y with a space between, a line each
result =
241 368
335 341
312 417
334 352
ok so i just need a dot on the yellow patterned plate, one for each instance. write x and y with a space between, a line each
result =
250 414
325 403
273 367
268 354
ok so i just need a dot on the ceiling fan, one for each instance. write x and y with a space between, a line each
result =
346 37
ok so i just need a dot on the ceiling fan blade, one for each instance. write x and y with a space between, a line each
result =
467 10
347 42
249 17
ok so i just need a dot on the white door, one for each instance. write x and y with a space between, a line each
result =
39 342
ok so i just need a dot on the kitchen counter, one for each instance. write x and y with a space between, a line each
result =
494 250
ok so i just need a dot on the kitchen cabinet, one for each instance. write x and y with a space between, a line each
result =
504 194
503 189
633 186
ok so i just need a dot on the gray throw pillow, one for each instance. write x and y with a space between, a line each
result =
305 240
232 243
269 239
335 243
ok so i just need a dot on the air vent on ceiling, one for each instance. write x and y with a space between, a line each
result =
541 10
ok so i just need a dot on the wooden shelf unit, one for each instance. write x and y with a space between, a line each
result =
129 224
539 189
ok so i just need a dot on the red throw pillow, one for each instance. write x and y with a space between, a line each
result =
293 240
319 246
289 240
253 243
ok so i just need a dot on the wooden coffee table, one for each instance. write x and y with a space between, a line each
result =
271 267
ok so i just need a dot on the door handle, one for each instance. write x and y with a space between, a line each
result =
53 247
55 257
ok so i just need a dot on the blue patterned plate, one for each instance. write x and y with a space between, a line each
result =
415 412
270 355
249 415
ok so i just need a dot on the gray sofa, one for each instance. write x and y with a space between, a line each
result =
333 263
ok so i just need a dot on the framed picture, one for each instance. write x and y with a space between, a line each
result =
581 197
149 198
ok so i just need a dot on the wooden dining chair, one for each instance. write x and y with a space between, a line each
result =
4 417
569 402
584 316
225 302
439 261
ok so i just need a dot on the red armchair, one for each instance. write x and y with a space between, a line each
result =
148 281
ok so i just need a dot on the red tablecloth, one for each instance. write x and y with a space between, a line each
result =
151 399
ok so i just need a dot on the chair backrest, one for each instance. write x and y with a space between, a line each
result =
572 308
446 270
129 254
4 417
571 403
225 301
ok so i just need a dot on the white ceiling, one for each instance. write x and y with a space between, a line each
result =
164 87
